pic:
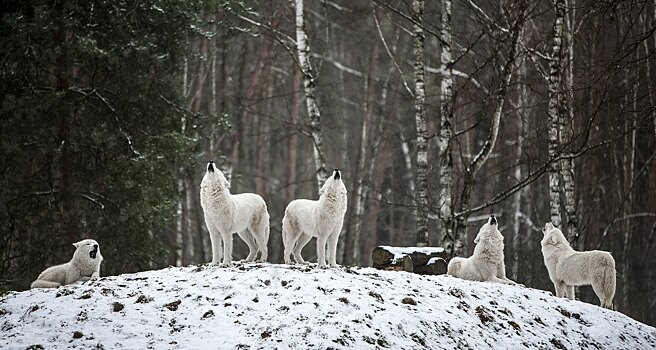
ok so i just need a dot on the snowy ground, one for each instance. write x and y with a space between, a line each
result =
267 306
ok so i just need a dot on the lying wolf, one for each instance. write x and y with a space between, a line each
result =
84 266
487 262
323 219
568 268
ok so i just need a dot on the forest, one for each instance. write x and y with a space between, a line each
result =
438 114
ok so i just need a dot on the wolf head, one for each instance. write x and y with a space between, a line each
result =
333 185
87 249
490 228
552 235
215 176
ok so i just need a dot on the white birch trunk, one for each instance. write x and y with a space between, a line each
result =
310 94
447 127
421 193
555 103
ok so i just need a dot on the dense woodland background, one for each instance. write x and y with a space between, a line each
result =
535 110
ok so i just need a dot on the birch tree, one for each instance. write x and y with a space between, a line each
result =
421 151
309 86
555 103
567 125
447 125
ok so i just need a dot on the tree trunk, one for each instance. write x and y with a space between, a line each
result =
421 193
555 105
310 95
447 128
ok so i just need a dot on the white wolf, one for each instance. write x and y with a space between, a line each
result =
568 268
487 262
225 213
323 219
84 266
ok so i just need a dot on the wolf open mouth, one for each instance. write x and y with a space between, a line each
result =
93 253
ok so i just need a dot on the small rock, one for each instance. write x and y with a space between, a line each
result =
142 299
116 307
77 335
409 301
173 306
207 314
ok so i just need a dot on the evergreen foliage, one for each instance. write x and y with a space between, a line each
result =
91 140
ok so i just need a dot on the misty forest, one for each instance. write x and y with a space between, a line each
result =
437 113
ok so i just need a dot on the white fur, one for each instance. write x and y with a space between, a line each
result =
487 262
323 219
81 267
568 268
225 213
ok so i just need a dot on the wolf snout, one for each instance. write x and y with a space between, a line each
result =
210 166
337 174
493 220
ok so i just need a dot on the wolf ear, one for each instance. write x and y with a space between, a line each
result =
76 244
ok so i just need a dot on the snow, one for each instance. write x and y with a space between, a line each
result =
400 252
274 306
433 260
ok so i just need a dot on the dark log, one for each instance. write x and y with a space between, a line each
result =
410 259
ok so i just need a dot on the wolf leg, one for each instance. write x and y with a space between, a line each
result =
332 249
227 249
215 238
321 251
248 237
44 284
298 247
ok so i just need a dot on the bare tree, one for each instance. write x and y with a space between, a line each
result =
471 170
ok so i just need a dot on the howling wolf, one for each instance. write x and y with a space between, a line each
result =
568 268
487 262
225 213
323 219
84 266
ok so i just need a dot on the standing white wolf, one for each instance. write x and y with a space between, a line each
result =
225 213
84 266
568 268
487 262
323 219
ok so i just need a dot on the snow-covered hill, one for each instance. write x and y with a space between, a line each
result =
267 306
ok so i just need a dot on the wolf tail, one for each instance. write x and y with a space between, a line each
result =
609 283
44 284
454 267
